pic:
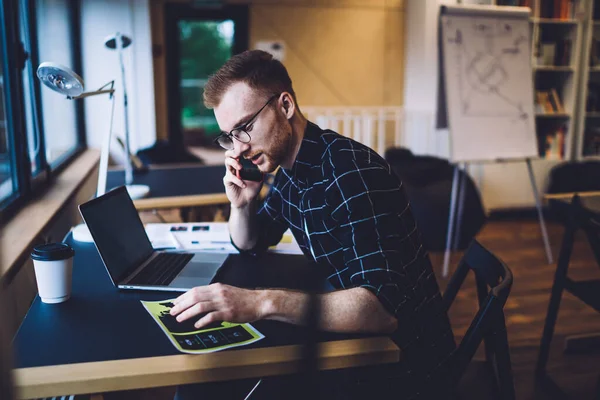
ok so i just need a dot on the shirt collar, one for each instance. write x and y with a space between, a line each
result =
309 155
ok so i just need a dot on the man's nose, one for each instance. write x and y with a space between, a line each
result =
240 148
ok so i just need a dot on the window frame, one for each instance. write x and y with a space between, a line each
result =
239 14
13 107
14 59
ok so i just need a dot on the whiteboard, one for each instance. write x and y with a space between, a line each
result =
486 73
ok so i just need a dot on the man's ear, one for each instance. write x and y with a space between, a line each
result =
288 106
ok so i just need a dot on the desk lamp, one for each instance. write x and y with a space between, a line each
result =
66 82
120 42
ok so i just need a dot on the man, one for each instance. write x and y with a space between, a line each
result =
346 209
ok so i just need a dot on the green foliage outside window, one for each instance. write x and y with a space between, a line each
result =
204 47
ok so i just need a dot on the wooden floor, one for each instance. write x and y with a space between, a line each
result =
518 242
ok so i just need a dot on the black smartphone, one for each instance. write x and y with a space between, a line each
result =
249 171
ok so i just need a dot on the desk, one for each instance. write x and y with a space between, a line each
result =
102 339
176 185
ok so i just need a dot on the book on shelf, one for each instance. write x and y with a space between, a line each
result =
548 102
593 97
591 141
559 9
595 52
555 53
555 100
553 144
518 3
547 54
563 53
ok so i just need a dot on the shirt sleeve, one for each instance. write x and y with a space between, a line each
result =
271 225
381 245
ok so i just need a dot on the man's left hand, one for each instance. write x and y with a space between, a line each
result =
219 302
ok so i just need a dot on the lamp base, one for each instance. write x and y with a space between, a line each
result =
138 191
81 233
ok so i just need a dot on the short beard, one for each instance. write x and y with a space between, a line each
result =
281 146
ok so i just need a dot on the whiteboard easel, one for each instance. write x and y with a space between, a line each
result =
486 95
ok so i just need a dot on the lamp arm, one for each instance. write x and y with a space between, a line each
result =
90 94
101 90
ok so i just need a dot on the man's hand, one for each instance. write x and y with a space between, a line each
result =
219 302
239 192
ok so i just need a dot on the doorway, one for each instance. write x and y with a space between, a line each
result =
199 41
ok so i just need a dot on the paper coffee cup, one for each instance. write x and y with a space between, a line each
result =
53 264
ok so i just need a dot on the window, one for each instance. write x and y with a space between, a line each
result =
199 41
40 131
54 38
205 46
7 184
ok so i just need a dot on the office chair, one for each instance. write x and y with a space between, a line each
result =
488 325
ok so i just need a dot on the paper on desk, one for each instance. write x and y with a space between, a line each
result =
209 236
187 339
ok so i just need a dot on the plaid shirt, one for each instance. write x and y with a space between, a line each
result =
349 213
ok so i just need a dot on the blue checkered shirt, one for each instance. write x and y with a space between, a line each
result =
349 213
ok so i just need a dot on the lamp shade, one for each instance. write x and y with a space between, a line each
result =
60 79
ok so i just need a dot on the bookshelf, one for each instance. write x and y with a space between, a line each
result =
557 27
588 135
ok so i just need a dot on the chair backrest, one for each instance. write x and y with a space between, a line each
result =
494 280
585 214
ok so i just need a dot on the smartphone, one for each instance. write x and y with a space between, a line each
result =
249 171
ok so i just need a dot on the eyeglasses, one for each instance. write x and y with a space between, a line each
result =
225 140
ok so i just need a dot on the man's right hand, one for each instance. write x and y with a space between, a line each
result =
239 192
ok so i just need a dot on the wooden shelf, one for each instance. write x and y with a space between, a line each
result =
592 114
552 68
553 115
554 21
594 69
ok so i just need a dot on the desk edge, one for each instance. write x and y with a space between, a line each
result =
106 376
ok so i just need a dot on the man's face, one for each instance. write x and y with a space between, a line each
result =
270 132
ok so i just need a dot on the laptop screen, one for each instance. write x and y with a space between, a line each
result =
118 232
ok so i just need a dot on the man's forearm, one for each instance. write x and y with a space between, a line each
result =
242 226
351 310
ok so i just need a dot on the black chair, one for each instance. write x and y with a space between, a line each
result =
487 326
578 217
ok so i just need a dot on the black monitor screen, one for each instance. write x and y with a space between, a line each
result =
118 232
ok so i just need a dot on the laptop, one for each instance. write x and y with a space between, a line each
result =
128 255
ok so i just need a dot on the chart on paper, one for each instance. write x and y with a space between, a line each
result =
489 87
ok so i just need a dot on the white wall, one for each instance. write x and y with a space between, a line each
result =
59 116
99 19
421 75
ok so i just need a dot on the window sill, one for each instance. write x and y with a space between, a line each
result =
25 229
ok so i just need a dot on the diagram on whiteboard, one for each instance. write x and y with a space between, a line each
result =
487 67
484 68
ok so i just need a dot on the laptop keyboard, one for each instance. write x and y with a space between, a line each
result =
162 269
